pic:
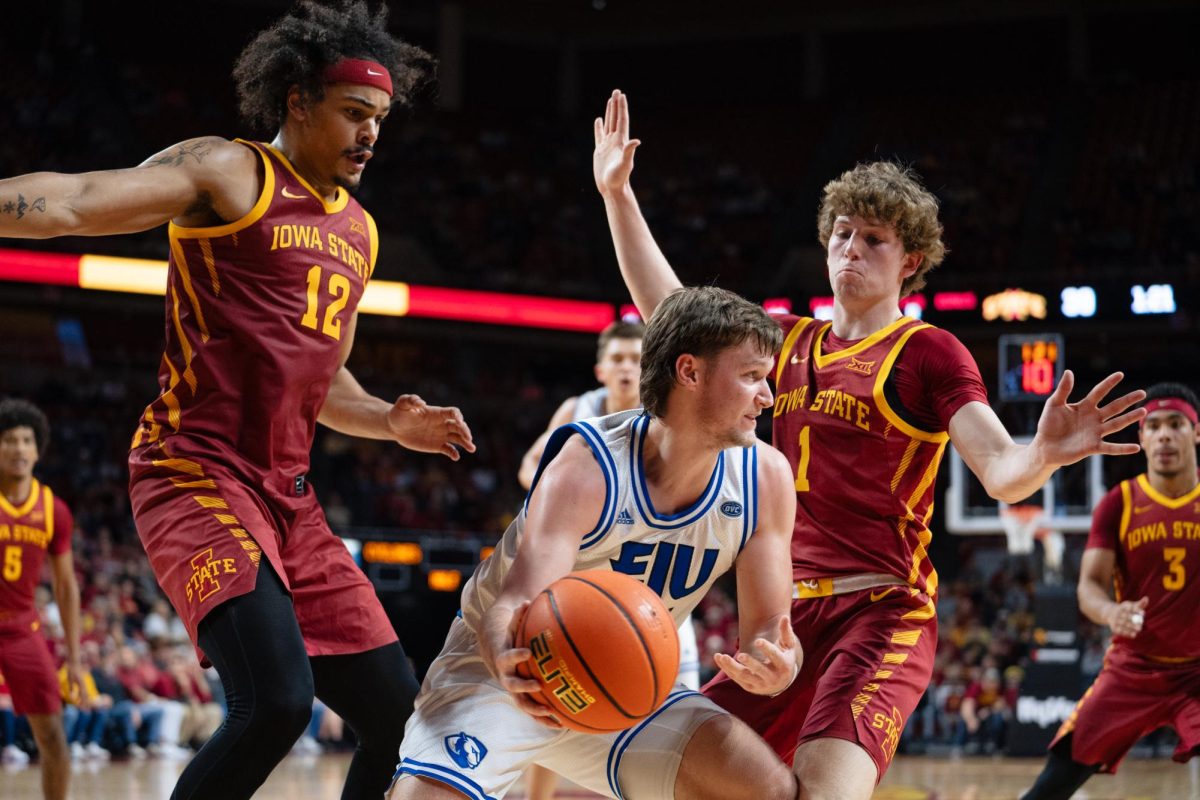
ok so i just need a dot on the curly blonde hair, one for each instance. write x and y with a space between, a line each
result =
892 194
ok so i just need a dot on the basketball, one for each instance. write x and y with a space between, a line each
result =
605 649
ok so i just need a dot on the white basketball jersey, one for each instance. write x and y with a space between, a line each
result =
591 404
678 556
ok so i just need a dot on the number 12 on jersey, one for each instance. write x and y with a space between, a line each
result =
802 462
338 287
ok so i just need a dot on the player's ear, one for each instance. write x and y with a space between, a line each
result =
297 103
912 262
687 368
598 371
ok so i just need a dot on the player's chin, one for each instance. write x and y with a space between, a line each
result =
349 182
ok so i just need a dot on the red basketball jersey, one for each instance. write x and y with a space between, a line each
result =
28 531
864 474
1157 544
256 310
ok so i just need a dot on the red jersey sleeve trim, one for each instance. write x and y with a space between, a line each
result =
16 512
374 243
1172 503
1126 510
789 342
881 396
253 216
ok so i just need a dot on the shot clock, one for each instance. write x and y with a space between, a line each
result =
1030 365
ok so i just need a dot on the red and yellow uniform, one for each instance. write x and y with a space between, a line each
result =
863 424
29 531
1152 679
256 311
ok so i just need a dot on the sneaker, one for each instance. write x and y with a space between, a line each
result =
306 746
135 750
77 752
96 752
14 755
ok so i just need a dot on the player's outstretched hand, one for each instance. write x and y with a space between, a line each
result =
429 429
612 161
772 669
1068 432
1127 618
496 648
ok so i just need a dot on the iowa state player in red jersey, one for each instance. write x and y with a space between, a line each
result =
865 406
1145 548
269 256
35 525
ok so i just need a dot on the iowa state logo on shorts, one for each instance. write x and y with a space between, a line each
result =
466 750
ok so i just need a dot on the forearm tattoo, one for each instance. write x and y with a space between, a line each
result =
21 206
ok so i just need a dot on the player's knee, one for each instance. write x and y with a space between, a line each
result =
285 707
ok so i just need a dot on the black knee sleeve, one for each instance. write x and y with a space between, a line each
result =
1061 777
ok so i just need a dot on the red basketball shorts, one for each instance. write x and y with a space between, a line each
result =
29 672
207 531
868 657
1131 697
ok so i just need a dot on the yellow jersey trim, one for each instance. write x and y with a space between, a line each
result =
1172 503
253 216
331 206
48 502
889 413
789 342
35 491
853 350
1126 510
374 243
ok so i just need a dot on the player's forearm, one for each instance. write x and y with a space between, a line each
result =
66 595
39 205
646 271
351 410
1094 601
1016 472
42 205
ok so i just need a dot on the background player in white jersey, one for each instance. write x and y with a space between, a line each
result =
618 368
699 479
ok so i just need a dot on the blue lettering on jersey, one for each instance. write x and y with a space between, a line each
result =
667 563
466 750
731 509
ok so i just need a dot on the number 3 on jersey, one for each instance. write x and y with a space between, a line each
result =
1175 578
338 287
802 463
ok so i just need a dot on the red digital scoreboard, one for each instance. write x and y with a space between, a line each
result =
1031 365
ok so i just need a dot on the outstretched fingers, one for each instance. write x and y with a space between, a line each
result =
1101 389
1121 404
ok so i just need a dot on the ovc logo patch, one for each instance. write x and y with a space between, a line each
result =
731 509
466 750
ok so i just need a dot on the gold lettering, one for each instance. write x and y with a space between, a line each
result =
864 410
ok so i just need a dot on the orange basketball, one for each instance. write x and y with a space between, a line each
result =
604 648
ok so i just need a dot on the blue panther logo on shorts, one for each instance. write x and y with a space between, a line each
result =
466 750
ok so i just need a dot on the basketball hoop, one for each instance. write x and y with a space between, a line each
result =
1020 524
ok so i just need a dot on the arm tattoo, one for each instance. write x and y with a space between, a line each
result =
179 155
21 206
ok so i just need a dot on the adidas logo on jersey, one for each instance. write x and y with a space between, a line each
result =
624 518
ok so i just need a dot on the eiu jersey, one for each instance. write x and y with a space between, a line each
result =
679 556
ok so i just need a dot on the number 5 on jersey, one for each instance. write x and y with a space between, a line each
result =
338 288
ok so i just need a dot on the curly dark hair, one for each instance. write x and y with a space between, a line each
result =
1174 390
15 413
296 50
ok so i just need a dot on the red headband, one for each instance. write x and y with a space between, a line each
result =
1172 404
360 71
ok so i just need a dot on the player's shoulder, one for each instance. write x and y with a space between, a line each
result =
931 338
772 464
205 152
574 468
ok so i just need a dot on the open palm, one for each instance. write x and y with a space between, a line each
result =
1069 432
612 161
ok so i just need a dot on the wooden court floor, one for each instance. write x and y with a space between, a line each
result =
916 778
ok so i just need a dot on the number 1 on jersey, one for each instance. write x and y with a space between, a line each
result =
802 464
339 289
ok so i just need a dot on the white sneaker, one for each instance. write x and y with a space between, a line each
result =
306 746
96 752
77 752
14 755
135 750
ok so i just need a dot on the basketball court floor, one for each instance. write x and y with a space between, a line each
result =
320 778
